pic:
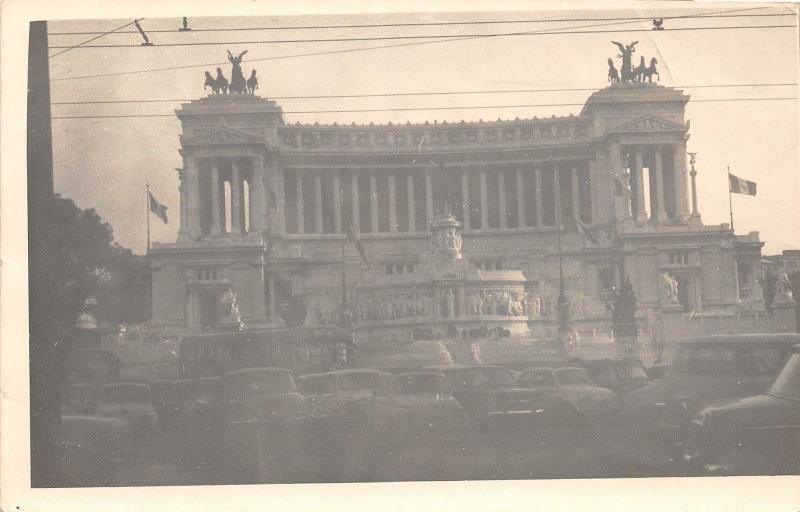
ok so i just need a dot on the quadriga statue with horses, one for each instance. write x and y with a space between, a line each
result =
628 72
238 84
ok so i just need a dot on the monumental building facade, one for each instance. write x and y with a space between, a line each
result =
271 215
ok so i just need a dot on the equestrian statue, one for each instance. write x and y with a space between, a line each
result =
628 72
237 84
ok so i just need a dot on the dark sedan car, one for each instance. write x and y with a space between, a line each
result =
756 435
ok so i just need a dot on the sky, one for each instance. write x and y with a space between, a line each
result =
105 163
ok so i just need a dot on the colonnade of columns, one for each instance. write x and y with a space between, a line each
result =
399 200
204 209
664 167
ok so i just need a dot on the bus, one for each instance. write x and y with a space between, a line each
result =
300 349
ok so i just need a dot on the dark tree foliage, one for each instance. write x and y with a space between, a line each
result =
92 265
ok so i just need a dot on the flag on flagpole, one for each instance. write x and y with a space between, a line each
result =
351 235
740 186
157 208
588 232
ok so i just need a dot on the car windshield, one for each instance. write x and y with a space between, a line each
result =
787 385
704 360
259 383
358 381
631 372
572 376
119 394
480 376
417 384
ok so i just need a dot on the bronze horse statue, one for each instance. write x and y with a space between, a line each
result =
648 72
222 82
252 82
613 76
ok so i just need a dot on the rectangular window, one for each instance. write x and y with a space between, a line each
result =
510 178
290 193
493 198
475 200
364 204
529 191
420 202
328 204
401 195
383 202
548 197
309 204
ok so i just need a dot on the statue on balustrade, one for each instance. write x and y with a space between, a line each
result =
670 287
783 287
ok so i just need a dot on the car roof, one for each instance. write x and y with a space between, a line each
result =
783 338
445 368
246 371
355 371
126 385
408 374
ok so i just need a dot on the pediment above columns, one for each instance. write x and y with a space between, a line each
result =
222 136
649 124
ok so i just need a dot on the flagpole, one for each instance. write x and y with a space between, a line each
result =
147 193
341 227
730 201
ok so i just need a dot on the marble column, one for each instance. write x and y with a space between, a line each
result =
355 207
259 209
501 199
216 228
622 204
465 199
429 196
301 221
539 206
660 212
373 201
392 202
273 307
337 204
317 202
641 211
412 220
236 200
484 201
679 173
521 221
193 197
576 195
182 191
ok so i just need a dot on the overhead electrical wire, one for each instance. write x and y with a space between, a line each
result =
429 36
427 93
449 23
409 109
341 51
81 45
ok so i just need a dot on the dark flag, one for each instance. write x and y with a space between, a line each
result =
588 232
740 186
351 235
157 208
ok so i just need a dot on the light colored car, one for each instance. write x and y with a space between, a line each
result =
130 401
755 435
574 385
417 403
343 396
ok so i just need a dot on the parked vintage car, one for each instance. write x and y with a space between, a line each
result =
131 401
620 375
417 403
258 414
759 435
490 394
344 397
703 372
87 448
180 396
708 369
572 384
